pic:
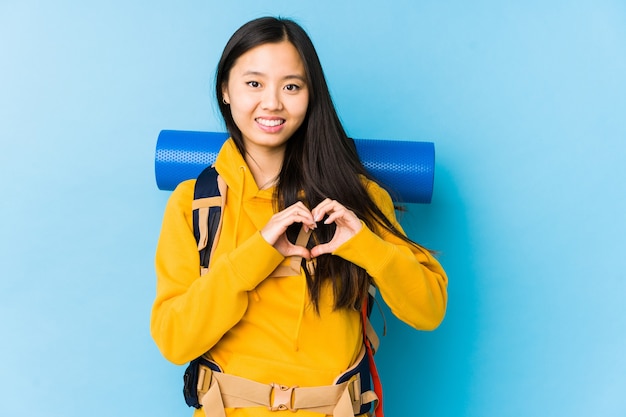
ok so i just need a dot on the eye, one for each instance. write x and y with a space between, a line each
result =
292 87
254 84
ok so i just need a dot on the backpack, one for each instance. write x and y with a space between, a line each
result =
208 204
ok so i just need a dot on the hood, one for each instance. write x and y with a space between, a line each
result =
234 170
242 189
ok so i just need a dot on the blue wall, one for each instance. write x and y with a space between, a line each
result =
525 102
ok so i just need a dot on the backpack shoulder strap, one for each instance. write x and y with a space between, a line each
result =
208 201
370 339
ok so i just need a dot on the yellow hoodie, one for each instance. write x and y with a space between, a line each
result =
265 329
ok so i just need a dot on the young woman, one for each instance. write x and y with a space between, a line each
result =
290 171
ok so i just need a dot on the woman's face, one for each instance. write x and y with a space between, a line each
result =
268 95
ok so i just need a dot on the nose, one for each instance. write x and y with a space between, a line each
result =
271 99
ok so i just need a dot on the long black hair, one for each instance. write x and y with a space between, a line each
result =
320 160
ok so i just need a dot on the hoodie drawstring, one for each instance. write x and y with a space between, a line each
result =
242 170
296 339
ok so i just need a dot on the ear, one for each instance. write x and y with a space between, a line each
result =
225 96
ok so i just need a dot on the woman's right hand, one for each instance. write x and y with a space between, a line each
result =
275 231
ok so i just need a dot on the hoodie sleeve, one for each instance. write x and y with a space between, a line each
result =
192 312
411 281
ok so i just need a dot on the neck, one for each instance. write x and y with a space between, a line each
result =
264 166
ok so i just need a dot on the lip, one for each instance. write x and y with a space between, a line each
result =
270 128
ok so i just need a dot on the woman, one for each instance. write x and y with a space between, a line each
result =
290 171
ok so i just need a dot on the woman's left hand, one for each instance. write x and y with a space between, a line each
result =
347 223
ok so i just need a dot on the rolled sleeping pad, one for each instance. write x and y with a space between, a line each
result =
406 169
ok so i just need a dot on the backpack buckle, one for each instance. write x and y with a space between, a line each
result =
281 397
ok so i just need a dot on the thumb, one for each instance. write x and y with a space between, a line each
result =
295 250
321 249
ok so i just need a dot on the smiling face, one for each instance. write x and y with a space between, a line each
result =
268 95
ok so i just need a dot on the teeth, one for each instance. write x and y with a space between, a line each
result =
270 123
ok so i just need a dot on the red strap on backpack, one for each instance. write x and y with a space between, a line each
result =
378 387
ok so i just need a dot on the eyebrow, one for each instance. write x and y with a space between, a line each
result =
286 77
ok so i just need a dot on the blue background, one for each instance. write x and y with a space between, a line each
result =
525 102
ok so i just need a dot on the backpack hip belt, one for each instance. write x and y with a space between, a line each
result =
217 391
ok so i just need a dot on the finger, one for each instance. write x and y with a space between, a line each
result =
300 251
323 209
300 214
322 249
305 218
296 213
335 215
276 227
298 205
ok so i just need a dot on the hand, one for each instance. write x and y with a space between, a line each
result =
275 230
346 222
